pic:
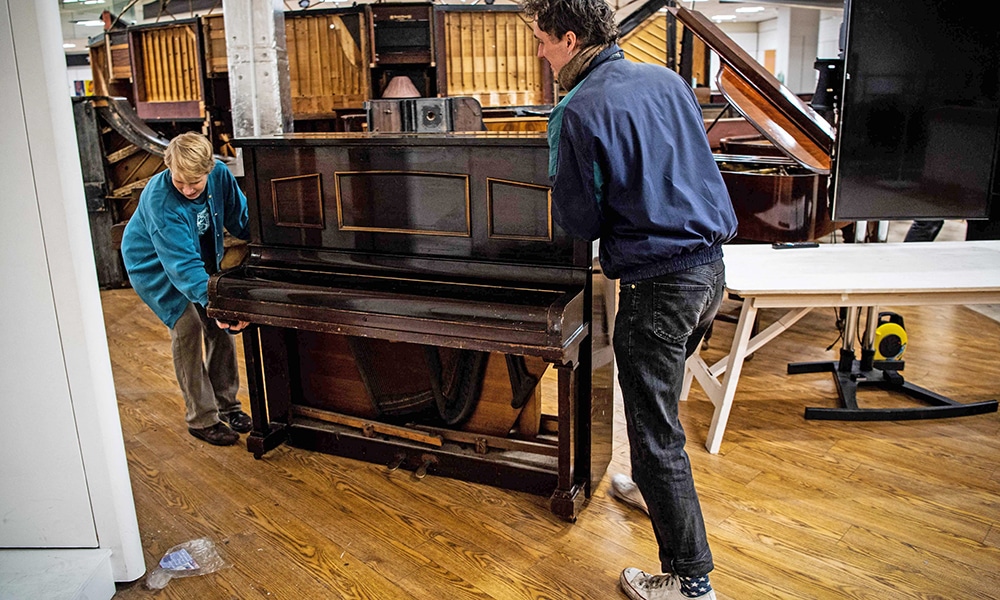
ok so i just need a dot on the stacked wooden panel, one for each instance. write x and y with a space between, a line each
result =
491 56
214 35
166 72
326 63
110 64
647 43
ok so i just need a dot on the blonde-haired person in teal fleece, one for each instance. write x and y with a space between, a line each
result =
171 245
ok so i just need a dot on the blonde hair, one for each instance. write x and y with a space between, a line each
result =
189 156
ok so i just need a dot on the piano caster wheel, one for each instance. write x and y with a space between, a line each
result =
397 462
421 471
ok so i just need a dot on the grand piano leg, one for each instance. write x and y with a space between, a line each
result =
570 493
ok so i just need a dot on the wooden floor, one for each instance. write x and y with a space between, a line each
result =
795 509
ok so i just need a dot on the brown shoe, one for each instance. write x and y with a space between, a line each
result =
218 434
238 421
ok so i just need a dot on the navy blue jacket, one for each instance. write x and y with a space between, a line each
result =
630 164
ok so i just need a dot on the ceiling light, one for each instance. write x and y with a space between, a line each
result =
750 9
69 45
95 23
720 18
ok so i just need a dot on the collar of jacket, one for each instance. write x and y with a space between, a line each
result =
612 52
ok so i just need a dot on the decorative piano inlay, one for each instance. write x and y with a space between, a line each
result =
519 210
403 202
298 201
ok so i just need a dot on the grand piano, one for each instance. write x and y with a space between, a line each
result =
409 294
778 178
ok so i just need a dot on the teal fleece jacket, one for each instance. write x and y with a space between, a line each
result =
160 245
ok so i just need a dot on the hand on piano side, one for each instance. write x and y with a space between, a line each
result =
232 326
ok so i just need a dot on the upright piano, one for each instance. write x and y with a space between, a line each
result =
408 292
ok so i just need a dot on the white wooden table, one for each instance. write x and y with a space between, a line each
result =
832 275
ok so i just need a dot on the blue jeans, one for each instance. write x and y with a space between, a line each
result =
660 323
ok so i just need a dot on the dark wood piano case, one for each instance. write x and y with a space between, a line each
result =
426 261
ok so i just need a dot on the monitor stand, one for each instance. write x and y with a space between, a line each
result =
850 374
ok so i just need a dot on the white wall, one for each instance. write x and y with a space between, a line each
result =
828 45
799 37
768 39
800 28
64 475
745 36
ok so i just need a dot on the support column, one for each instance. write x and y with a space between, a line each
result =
259 84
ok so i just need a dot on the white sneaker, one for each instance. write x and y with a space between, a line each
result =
639 585
623 488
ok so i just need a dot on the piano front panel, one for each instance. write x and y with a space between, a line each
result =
472 202
298 201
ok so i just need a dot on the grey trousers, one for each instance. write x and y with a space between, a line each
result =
209 382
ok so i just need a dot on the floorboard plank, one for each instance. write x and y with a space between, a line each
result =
794 508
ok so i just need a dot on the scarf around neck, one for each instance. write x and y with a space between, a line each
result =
569 74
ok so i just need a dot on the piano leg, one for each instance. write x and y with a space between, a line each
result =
263 436
570 493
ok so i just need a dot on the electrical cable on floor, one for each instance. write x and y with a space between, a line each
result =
840 329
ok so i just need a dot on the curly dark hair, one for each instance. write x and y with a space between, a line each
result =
593 21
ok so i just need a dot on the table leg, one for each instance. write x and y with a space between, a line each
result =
689 367
722 397
722 393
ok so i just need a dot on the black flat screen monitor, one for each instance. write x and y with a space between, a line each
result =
918 130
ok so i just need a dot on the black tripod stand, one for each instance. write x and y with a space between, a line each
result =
849 374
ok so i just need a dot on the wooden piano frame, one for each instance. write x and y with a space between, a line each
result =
442 240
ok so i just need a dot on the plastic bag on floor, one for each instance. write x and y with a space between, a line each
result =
197 557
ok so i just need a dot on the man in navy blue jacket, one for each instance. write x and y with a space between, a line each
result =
630 165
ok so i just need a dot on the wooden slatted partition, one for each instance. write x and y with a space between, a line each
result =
327 64
170 61
647 43
491 56
166 71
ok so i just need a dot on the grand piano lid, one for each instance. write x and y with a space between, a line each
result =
781 116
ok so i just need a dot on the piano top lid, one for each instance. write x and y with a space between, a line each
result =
779 115
398 138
